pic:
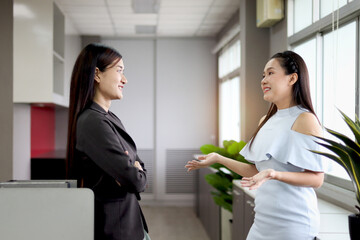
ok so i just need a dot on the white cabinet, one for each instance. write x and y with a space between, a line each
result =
38 52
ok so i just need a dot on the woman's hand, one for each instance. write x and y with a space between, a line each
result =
137 165
203 161
257 180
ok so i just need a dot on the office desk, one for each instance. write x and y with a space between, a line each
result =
46 214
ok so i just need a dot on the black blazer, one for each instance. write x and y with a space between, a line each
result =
104 167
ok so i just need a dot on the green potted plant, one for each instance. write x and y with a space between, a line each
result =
347 154
222 179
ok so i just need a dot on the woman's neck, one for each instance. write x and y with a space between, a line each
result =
285 103
105 104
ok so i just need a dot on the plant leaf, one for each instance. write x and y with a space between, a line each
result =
208 148
233 148
343 159
242 144
345 139
220 201
219 182
354 127
335 158
227 143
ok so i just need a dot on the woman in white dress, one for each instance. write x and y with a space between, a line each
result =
284 172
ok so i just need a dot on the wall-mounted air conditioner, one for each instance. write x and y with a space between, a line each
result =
269 12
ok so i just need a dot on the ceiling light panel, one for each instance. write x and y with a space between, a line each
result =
145 29
145 6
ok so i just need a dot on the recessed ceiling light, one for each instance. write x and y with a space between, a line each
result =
145 29
145 6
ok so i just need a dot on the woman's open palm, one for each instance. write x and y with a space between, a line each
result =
202 161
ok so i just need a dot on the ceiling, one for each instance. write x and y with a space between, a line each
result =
162 18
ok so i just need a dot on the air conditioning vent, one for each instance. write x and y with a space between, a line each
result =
178 180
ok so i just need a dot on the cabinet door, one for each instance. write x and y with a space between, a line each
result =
249 213
209 212
238 232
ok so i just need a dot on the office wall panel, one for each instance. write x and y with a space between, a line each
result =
169 101
21 141
136 109
186 98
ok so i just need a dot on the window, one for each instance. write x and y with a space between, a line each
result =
330 46
339 81
303 14
307 51
229 60
329 6
229 106
229 93
331 58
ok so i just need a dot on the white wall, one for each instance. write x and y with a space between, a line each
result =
186 98
21 141
170 99
136 109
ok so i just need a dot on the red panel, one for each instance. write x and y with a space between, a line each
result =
42 130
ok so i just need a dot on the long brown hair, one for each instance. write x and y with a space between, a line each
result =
292 63
82 91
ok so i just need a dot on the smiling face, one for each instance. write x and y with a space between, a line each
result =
109 84
276 85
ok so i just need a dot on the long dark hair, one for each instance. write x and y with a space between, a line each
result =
82 91
292 63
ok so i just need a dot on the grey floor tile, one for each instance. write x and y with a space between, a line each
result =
173 223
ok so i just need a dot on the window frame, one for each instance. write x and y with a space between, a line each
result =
229 76
335 189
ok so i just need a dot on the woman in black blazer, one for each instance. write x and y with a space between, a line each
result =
100 153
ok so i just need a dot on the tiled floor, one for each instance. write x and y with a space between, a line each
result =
173 223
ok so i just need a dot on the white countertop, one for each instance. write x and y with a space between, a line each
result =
333 219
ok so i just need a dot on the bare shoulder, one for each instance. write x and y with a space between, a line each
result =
308 124
262 119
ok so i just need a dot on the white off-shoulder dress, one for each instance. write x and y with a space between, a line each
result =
284 211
